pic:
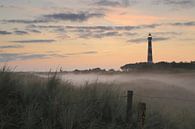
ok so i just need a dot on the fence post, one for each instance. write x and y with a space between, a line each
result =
129 107
141 115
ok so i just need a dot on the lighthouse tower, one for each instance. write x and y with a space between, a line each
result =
150 58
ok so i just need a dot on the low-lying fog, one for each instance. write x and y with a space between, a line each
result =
174 92
157 81
180 80
179 87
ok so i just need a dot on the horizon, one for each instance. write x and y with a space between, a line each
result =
60 69
39 35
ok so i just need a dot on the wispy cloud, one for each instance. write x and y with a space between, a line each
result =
179 2
33 30
110 31
19 32
25 21
90 31
167 33
97 28
7 57
11 46
75 17
113 3
190 23
176 3
55 17
99 34
81 53
35 41
142 40
107 3
5 32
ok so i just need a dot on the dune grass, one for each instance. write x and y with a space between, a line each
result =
31 102
28 102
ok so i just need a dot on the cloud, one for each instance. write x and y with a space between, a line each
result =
5 33
126 2
99 34
161 38
142 40
95 31
35 41
167 33
190 23
106 31
151 26
106 28
107 3
113 3
176 3
87 32
67 16
53 53
82 53
57 55
33 30
89 52
74 17
18 32
95 28
24 21
109 31
179 2
11 46
7 57
45 26
100 31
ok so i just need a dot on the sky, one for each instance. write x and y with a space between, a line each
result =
42 35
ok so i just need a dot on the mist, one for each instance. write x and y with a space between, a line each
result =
177 80
173 89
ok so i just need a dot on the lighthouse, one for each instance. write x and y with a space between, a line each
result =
150 58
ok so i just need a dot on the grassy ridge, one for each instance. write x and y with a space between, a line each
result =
30 102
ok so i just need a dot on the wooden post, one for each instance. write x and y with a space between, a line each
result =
141 115
129 107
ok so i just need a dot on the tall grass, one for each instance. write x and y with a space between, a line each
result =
28 102
31 102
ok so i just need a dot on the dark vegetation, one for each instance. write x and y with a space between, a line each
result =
31 102
140 66
95 70
159 66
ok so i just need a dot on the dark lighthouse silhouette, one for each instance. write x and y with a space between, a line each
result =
150 58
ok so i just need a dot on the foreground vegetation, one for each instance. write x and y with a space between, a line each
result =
31 102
